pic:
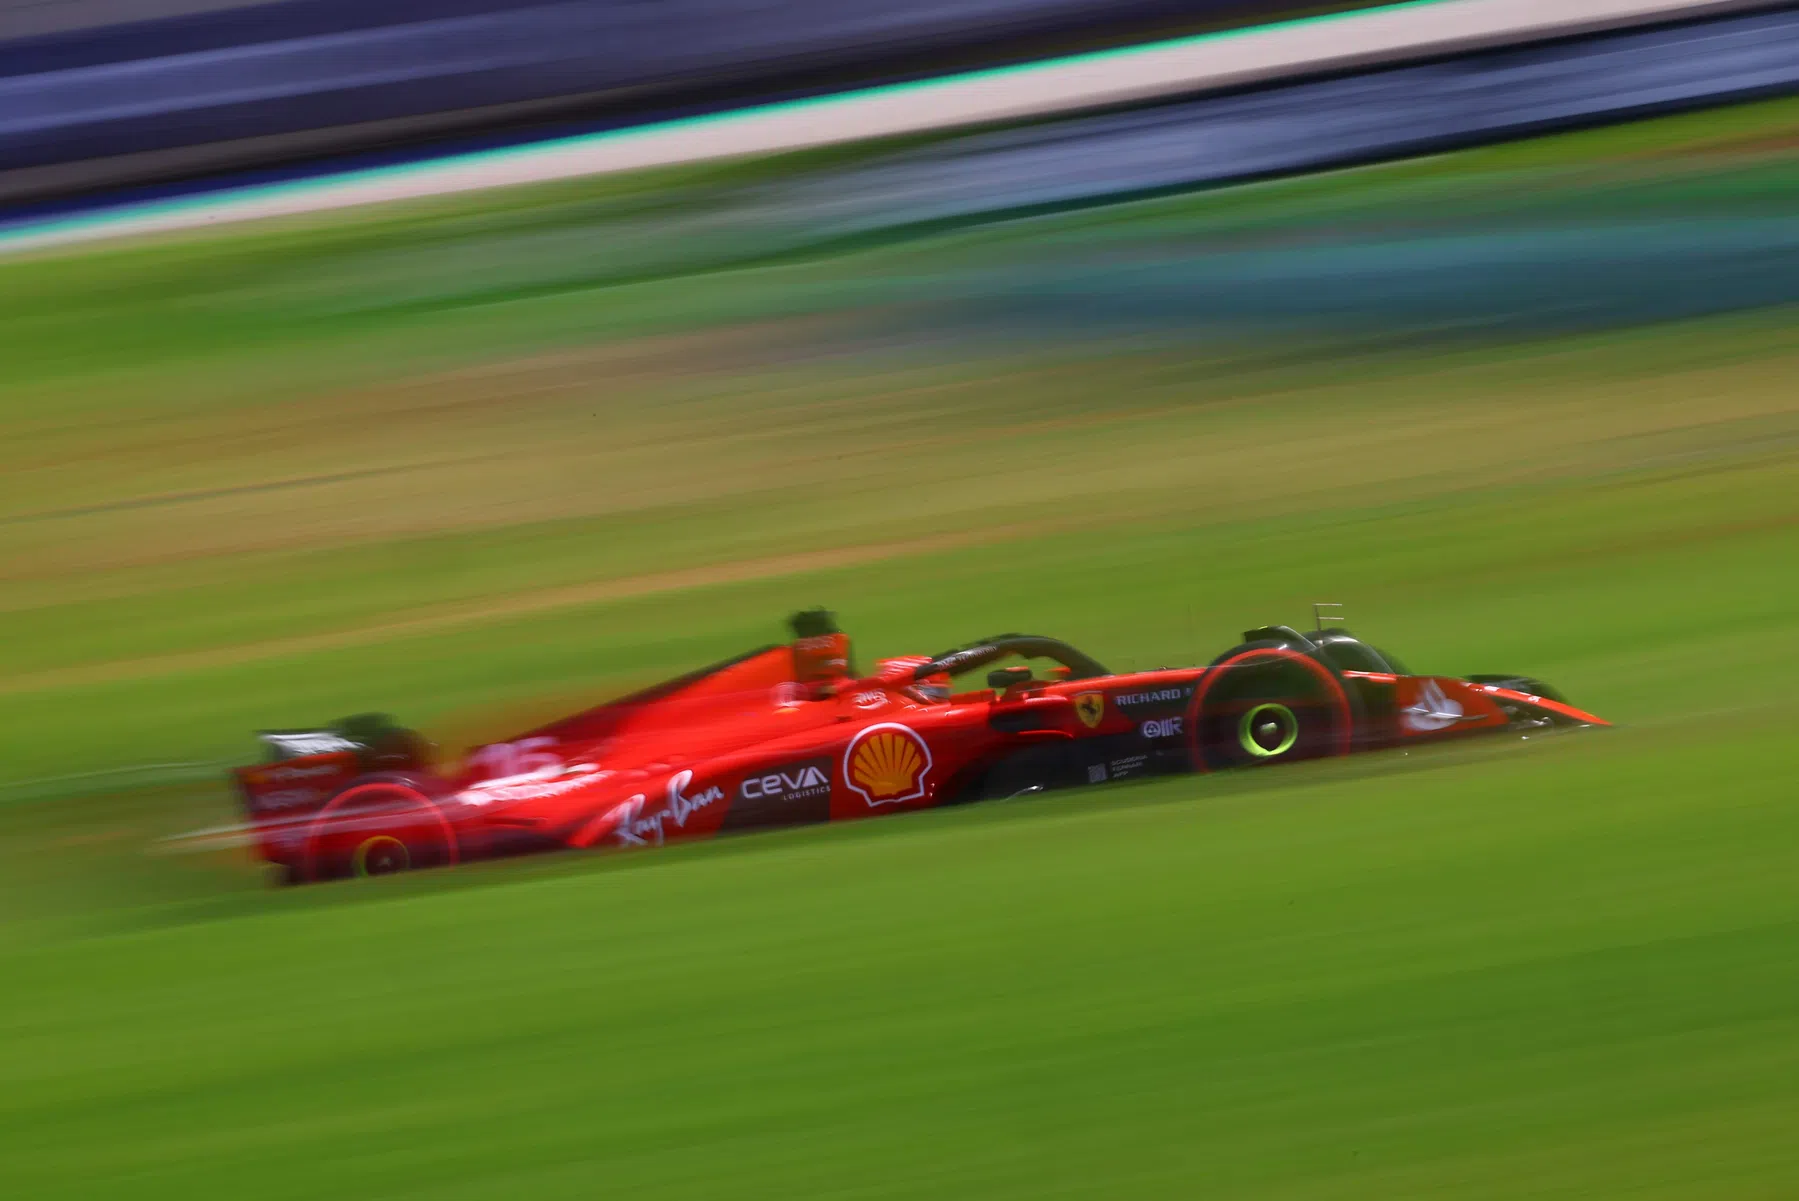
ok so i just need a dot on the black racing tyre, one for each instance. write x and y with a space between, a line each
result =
1260 707
377 827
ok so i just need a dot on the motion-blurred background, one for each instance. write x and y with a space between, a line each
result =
1140 324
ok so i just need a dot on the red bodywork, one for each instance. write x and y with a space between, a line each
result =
786 736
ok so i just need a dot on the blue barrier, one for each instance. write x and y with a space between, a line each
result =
310 64
1306 126
1094 158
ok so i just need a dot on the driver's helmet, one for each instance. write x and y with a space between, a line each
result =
931 688
821 653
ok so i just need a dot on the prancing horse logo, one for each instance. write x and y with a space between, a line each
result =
1091 707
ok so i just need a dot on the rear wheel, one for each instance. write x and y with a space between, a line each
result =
1264 706
380 855
377 828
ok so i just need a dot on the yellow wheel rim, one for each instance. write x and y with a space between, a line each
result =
382 849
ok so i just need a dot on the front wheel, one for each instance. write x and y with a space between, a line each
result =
1268 730
1266 706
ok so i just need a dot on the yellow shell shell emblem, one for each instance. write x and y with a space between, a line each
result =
887 764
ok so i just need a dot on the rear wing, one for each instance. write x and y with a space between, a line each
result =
299 744
289 784
302 769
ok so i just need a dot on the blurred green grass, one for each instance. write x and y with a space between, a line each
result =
1518 968
1550 971
466 276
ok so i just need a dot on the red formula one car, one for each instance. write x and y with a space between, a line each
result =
789 734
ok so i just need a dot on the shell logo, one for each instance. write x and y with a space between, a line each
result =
887 764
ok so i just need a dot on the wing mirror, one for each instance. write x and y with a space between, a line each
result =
1006 677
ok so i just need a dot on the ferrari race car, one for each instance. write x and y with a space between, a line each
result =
790 734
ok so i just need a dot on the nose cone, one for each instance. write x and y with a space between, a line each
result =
1559 712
